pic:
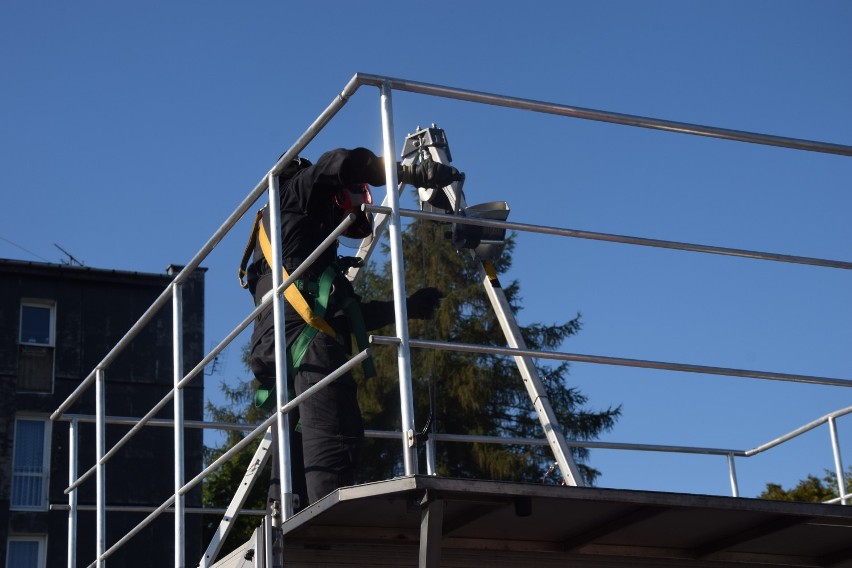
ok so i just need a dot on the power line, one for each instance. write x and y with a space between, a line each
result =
23 249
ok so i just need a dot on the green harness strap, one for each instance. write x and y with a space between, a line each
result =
355 318
359 330
296 352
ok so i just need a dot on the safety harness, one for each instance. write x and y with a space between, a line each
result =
313 317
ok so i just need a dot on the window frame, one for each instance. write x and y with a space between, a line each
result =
38 303
45 463
41 539
31 382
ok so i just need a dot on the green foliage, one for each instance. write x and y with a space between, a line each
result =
470 393
810 490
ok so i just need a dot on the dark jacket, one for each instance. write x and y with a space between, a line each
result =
308 216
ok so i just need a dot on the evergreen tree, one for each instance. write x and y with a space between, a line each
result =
467 393
811 489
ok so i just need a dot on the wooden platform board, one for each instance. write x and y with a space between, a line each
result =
428 521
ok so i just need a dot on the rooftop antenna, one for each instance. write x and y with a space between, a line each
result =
71 261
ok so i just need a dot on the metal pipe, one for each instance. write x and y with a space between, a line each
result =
100 478
177 372
603 116
512 441
73 440
282 440
248 439
431 456
406 390
590 235
798 431
162 422
470 348
732 473
147 509
838 464
268 539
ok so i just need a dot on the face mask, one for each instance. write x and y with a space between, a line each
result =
349 200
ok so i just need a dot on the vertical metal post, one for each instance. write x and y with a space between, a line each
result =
406 399
838 464
266 552
732 472
100 478
73 437
282 453
177 363
431 456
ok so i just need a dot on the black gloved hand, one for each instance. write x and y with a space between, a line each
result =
429 174
424 303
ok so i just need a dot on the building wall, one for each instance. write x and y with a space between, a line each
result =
94 310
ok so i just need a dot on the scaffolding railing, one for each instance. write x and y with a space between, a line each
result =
728 453
269 184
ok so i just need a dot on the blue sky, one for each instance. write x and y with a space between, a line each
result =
131 131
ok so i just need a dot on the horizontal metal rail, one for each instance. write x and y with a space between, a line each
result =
501 440
239 446
148 509
543 229
163 422
512 352
384 434
466 438
512 441
600 115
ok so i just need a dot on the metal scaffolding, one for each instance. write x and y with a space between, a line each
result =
390 215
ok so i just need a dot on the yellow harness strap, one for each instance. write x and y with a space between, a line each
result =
292 294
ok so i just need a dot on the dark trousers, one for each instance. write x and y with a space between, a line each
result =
332 427
330 421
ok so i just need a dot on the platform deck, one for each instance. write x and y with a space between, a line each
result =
485 523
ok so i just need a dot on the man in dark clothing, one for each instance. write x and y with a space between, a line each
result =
314 199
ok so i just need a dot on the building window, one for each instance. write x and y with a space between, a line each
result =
26 552
35 360
30 464
36 323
